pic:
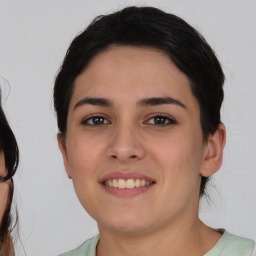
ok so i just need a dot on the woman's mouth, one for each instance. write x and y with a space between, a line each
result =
127 184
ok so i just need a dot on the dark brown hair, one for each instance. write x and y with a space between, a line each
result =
149 27
9 147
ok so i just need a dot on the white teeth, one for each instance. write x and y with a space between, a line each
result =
137 183
114 183
129 184
121 183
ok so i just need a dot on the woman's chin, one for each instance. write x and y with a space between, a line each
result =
124 226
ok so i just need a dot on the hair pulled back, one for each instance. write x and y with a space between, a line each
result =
147 27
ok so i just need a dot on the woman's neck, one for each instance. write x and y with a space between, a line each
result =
187 239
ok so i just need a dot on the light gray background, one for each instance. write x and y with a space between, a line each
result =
34 36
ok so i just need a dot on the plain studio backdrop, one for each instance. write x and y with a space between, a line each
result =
34 36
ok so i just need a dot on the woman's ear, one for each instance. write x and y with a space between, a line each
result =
214 152
63 150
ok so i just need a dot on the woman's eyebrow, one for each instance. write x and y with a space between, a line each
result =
94 101
154 101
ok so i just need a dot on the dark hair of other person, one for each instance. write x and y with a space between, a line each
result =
147 27
9 147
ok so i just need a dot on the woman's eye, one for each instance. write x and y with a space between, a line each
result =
160 120
95 120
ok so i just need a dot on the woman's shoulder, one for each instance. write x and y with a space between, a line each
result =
228 245
232 245
88 248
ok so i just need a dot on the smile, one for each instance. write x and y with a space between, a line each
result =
127 184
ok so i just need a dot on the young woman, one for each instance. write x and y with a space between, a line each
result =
9 158
138 101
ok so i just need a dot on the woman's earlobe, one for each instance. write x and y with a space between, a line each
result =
214 152
63 150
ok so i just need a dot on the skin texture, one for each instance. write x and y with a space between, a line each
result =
174 155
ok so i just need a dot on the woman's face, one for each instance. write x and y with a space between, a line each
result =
134 146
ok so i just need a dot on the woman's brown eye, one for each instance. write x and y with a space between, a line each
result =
95 120
161 120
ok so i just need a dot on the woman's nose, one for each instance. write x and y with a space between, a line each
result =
126 144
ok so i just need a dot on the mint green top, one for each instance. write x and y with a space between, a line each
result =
228 245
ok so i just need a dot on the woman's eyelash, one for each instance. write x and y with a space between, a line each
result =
95 120
158 120
161 120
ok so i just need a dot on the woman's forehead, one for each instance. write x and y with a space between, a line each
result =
134 71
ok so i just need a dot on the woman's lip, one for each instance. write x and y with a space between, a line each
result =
127 193
126 176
